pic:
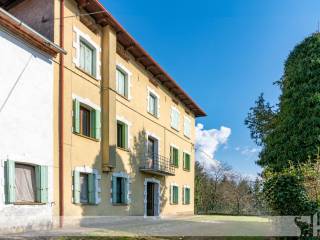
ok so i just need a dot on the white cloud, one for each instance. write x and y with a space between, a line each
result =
207 143
248 151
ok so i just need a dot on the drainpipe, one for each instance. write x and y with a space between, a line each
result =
61 116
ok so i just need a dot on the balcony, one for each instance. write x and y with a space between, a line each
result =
156 164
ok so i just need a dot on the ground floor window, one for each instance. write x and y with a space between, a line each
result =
25 183
84 193
186 195
86 186
174 194
120 185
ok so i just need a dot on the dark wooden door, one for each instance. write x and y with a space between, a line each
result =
150 199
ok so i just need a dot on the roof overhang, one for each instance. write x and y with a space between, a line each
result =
103 18
23 31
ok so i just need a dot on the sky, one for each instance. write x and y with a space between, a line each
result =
224 53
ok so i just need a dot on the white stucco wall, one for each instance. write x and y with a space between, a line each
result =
26 124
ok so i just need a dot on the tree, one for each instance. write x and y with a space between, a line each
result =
291 132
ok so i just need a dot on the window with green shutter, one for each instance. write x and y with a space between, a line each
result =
174 194
86 120
25 183
174 156
186 161
122 135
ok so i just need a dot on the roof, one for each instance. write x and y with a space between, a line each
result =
29 35
103 17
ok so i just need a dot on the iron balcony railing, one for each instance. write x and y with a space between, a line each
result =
157 164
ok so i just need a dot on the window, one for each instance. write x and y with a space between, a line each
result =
87 57
186 195
186 161
187 127
174 156
175 118
122 135
84 194
86 188
122 83
87 54
25 183
153 104
86 120
119 189
174 194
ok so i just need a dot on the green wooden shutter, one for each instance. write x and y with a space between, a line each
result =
188 195
126 136
76 186
171 156
186 161
114 189
97 124
42 184
175 195
76 116
176 157
92 188
10 189
93 123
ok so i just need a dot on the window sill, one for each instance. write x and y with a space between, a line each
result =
177 130
124 97
187 137
172 165
84 136
186 170
88 74
174 203
123 149
119 204
155 116
28 203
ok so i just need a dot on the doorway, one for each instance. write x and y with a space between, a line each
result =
152 198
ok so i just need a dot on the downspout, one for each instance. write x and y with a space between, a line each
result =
61 117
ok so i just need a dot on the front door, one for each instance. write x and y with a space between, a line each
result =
150 199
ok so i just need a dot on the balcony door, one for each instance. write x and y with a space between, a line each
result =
152 152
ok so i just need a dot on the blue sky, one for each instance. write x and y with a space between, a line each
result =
224 53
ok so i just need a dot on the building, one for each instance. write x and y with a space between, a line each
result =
127 145
26 126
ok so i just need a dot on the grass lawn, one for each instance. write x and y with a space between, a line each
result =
225 218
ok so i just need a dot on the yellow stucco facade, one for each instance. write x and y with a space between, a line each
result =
102 155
